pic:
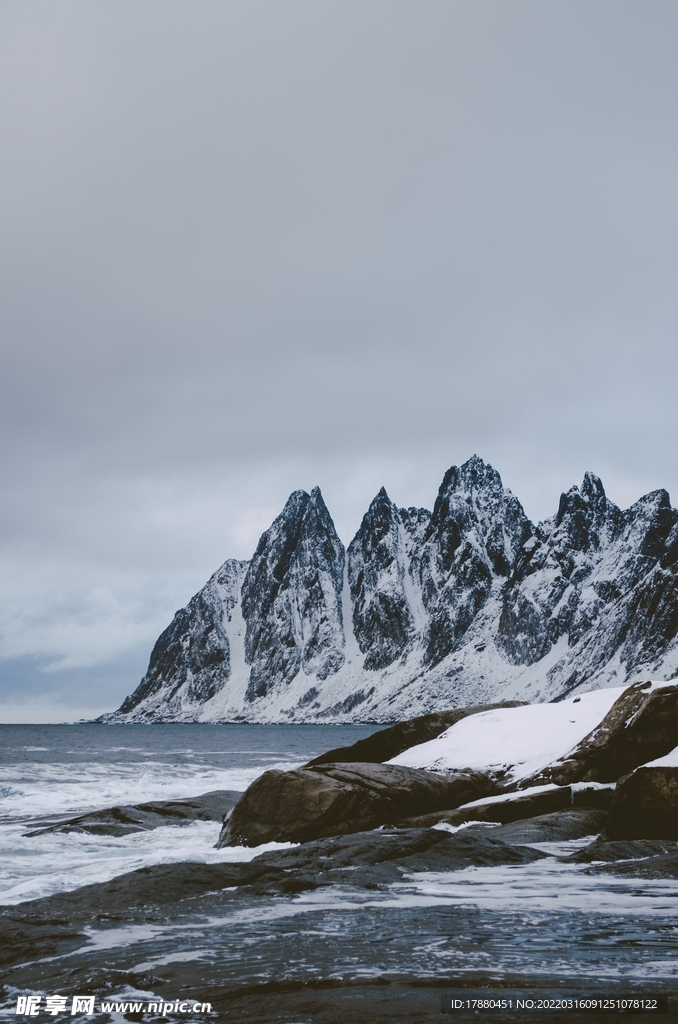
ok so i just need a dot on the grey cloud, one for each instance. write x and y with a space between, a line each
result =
252 246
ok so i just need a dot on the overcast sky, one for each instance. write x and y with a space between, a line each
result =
254 246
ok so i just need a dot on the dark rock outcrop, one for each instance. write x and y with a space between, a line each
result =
513 808
639 859
329 800
556 827
641 726
388 743
122 820
645 805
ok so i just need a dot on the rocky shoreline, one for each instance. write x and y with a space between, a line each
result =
352 795
371 838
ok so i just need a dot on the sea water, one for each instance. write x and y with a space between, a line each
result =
547 923
49 773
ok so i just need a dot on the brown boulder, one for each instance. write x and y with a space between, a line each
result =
387 743
336 799
645 805
639 727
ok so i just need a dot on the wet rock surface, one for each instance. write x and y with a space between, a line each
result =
337 799
658 865
348 928
128 818
556 827
645 805
368 860
631 858
610 851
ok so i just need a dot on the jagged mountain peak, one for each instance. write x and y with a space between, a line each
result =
473 509
426 610
649 522
586 518
475 481
592 488
291 597
381 516
380 582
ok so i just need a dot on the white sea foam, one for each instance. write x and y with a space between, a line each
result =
33 791
42 783
545 885
83 859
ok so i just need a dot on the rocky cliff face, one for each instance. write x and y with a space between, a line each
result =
473 538
291 598
425 611
384 580
191 660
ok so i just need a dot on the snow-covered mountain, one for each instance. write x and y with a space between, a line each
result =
467 604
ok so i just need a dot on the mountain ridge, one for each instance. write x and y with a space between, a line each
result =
424 611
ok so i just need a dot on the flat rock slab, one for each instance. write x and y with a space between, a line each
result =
330 800
557 827
516 808
630 858
645 805
661 865
127 818
603 850
388 743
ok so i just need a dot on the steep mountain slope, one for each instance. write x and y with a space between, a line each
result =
191 660
384 580
474 535
291 597
468 604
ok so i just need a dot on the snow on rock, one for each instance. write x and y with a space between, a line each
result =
470 604
475 532
669 760
512 743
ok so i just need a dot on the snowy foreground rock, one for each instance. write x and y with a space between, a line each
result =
494 765
425 611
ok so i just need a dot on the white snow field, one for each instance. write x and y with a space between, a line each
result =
517 742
